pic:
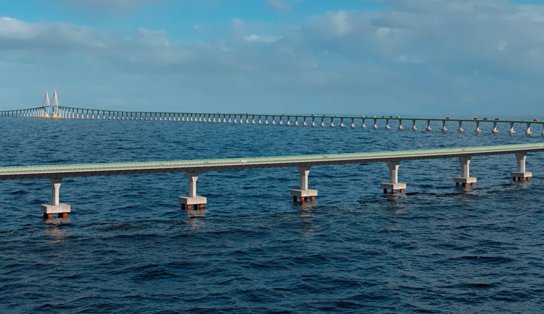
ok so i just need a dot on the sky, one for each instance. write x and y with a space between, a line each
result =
405 57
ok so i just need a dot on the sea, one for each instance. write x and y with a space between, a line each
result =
129 248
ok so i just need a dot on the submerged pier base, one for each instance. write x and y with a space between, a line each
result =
192 201
56 207
303 194
393 184
521 174
465 180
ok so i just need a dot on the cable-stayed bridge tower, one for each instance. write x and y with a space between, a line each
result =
51 110
46 106
55 114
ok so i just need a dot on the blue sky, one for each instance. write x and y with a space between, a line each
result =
433 57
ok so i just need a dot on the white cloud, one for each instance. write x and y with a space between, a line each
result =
279 5
110 5
340 23
146 48
153 38
11 28
261 39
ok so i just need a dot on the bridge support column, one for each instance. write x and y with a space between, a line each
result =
193 201
56 207
393 183
521 174
303 194
464 179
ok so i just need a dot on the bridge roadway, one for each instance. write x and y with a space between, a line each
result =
192 167
313 120
102 169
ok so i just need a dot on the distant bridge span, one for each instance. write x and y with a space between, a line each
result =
304 120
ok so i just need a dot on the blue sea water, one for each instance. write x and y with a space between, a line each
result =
128 248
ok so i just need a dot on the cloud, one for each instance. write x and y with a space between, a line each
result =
281 5
409 57
18 34
110 5
261 39
340 22
145 48
11 28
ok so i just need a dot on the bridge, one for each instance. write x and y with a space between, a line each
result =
305 120
303 193
54 111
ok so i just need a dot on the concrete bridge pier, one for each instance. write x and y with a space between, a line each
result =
444 127
495 128
414 127
512 130
387 124
363 123
428 128
477 130
521 174
393 183
192 201
401 127
464 179
303 194
313 124
56 207
528 131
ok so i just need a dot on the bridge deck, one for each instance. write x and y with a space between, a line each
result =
64 112
100 169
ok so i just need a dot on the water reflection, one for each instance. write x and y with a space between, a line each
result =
305 215
54 229
194 218
395 204
523 184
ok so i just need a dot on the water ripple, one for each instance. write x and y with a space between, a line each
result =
129 248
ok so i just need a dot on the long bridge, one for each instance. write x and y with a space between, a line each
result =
303 193
55 111
494 125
